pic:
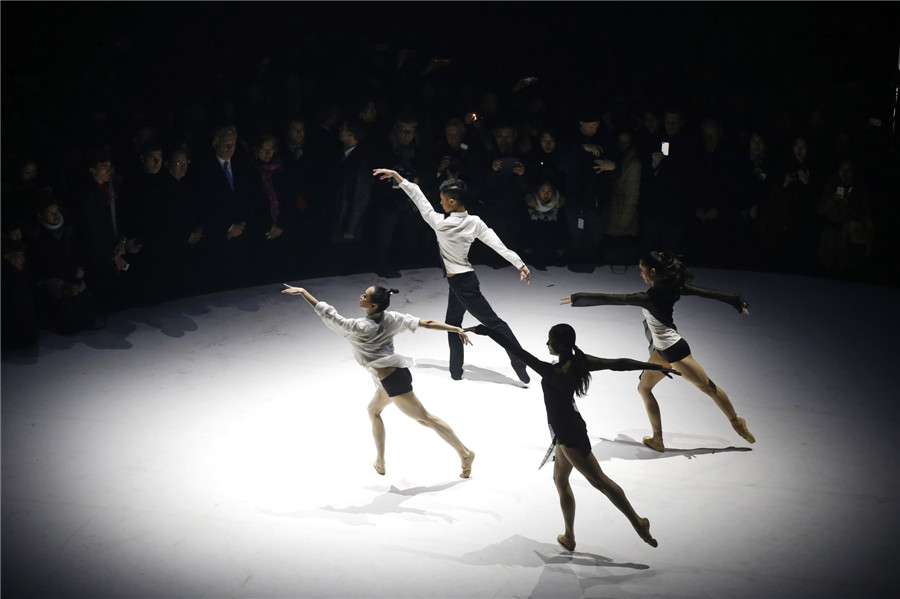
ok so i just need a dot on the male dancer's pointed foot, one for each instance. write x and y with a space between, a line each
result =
378 469
567 542
467 465
740 426
655 442
644 532
522 373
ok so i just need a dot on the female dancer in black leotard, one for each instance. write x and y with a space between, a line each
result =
561 382
668 279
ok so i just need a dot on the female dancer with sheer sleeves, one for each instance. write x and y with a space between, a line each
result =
668 279
372 340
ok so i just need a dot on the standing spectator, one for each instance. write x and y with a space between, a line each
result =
504 186
590 177
847 233
788 219
665 192
147 213
620 241
452 156
103 234
351 196
395 218
280 250
189 245
714 191
225 187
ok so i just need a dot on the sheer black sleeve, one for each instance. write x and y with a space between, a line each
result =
542 368
595 363
642 300
732 299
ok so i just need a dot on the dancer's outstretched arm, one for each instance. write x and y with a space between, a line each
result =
732 299
328 313
539 366
415 194
300 291
579 300
435 325
621 364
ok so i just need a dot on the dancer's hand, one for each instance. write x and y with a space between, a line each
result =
565 300
464 337
669 372
745 307
525 274
386 173
293 290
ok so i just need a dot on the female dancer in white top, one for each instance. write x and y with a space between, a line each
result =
668 279
371 338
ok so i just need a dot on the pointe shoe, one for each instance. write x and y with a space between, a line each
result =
378 469
467 465
645 534
740 426
562 540
655 443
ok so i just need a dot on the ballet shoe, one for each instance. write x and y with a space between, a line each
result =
562 540
645 533
655 443
378 469
740 426
467 465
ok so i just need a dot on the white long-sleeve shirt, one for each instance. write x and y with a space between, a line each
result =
372 340
457 232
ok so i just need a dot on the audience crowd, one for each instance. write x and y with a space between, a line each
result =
268 177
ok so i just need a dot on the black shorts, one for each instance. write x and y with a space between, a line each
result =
677 352
398 382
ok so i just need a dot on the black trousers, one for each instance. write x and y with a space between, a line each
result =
465 296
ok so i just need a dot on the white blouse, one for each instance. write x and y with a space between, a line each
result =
372 340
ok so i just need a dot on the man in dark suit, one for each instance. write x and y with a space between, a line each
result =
351 195
226 189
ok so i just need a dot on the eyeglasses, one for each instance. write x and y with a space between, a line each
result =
182 162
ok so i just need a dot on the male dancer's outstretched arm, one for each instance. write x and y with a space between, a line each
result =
433 218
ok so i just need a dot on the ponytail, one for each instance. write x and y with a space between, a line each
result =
382 298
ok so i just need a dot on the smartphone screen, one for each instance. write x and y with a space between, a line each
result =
665 148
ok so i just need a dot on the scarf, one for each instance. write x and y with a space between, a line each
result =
55 230
266 170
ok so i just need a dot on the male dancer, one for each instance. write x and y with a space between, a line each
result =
455 234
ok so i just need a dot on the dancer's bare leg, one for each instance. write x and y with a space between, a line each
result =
649 379
562 467
410 405
589 467
691 370
379 402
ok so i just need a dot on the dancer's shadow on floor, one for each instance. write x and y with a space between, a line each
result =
472 373
561 574
624 447
389 502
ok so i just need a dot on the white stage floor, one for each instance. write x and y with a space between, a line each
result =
219 446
